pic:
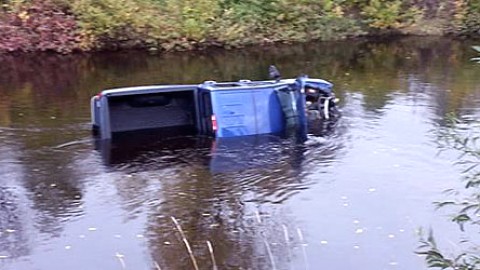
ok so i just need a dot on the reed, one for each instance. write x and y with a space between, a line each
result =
257 215
210 249
270 254
287 241
267 246
303 244
120 258
185 241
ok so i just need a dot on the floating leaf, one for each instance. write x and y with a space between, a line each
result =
461 218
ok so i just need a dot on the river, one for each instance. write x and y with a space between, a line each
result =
356 198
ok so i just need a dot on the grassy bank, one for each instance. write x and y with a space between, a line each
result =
65 26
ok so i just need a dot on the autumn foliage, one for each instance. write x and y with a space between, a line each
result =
65 26
38 26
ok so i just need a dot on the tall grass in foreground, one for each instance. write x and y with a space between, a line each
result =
464 205
476 59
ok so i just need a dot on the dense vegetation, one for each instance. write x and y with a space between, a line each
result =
70 25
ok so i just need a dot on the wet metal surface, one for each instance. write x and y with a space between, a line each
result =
351 199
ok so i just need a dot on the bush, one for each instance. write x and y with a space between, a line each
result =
386 14
119 23
38 26
67 25
194 18
257 21
470 21
243 22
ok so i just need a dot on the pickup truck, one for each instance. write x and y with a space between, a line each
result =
218 109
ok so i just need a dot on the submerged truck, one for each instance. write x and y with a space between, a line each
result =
218 109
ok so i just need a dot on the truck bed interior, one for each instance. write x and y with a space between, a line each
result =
168 110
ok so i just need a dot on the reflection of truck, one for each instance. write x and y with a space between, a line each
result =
215 109
220 155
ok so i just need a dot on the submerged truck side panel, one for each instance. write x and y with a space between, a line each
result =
246 112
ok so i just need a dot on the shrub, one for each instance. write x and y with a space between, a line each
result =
67 25
257 21
194 18
388 14
38 26
119 22
470 21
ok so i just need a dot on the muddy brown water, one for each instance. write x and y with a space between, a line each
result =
353 198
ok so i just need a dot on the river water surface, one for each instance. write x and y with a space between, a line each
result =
355 198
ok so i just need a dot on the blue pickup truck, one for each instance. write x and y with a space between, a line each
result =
218 109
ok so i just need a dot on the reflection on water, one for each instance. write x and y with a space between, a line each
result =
13 244
351 197
215 188
279 158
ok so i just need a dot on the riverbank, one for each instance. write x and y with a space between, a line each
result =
180 25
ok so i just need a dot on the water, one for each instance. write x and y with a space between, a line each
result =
353 199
